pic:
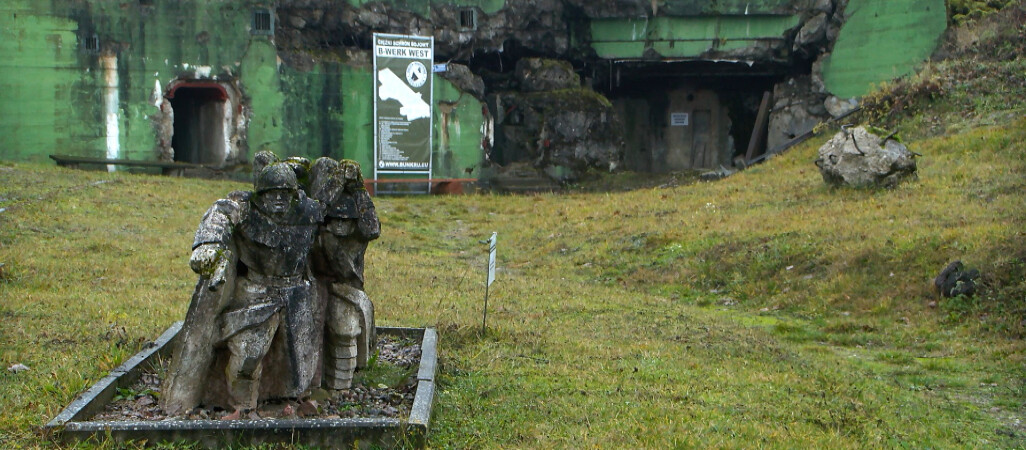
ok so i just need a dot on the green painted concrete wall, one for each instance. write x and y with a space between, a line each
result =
684 37
742 7
358 117
52 89
160 42
664 7
329 111
882 40
41 74
457 154
262 83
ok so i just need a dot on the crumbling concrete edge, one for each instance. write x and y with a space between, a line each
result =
72 423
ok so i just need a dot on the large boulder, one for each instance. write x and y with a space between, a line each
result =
573 128
858 158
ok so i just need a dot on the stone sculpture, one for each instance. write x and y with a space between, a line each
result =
350 223
279 271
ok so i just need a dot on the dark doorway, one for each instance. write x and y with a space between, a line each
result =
720 115
199 126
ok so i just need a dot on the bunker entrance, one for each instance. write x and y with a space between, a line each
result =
202 116
686 115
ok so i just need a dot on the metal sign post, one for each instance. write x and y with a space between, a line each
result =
490 279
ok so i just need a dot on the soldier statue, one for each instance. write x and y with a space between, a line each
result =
279 307
350 223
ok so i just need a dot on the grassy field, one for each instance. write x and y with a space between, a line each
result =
763 309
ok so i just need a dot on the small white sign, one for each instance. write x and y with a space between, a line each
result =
678 119
491 258
439 68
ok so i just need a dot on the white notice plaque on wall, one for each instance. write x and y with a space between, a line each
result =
678 119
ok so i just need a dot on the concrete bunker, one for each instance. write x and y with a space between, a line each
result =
687 115
204 123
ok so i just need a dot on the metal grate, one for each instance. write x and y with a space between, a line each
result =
92 44
263 22
468 19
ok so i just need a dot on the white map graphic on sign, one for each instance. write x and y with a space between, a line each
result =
393 88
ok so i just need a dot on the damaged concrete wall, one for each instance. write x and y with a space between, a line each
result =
98 79
303 83
161 44
726 37
551 121
855 45
116 62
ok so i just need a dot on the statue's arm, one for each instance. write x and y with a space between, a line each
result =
368 225
215 232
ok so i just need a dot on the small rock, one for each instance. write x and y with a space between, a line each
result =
838 107
813 31
954 280
465 80
721 173
308 408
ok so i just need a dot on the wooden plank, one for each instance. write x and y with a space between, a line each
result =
798 140
64 160
760 124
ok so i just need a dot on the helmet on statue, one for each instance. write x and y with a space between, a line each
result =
276 176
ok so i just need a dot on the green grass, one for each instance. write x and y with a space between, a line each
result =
762 310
